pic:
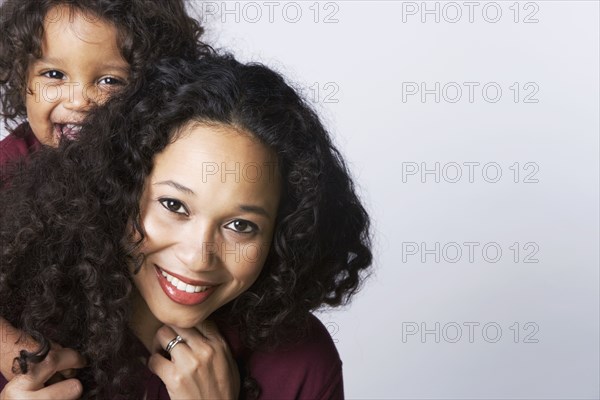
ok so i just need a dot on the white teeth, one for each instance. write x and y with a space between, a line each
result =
169 277
69 130
182 286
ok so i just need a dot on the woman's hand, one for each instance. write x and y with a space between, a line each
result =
31 384
201 367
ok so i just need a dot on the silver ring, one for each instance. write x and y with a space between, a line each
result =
178 339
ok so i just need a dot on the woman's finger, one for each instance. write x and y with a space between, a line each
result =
210 331
168 335
204 334
208 348
199 346
161 367
162 337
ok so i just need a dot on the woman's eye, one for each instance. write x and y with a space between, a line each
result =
110 81
54 74
242 226
174 206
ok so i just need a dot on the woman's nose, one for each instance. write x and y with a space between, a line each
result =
198 249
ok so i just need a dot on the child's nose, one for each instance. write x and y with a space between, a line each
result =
78 99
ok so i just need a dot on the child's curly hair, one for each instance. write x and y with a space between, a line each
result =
63 270
148 29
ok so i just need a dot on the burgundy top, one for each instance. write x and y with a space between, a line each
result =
18 146
310 370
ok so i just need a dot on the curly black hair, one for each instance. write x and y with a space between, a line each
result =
148 29
67 223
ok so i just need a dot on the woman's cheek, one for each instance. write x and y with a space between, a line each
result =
252 253
156 227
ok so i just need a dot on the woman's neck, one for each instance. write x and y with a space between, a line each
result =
143 323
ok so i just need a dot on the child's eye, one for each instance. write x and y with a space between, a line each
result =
53 74
174 206
111 80
242 226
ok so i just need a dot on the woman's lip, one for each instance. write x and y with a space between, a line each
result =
181 297
184 279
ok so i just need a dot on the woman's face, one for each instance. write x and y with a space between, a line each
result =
208 210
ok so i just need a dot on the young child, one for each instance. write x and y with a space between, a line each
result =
59 58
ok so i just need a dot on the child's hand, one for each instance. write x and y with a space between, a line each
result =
31 385
201 366
10 348
13 341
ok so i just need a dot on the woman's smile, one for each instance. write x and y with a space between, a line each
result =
182 290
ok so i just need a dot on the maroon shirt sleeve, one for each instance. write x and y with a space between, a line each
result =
309 370
17 146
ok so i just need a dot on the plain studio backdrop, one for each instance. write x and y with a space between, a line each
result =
472 130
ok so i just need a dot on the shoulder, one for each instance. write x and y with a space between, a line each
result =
310 369
19 144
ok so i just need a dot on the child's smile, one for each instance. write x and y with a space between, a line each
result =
81 65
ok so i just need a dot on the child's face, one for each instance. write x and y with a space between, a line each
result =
81 65
208 211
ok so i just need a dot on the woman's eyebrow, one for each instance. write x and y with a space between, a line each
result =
177 186
254 209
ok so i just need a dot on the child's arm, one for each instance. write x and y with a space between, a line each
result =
12 341
35 384
9 348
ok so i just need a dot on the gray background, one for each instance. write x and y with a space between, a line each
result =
534 313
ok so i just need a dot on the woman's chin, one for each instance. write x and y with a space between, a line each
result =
182 322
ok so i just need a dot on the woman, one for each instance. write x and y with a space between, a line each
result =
217 194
